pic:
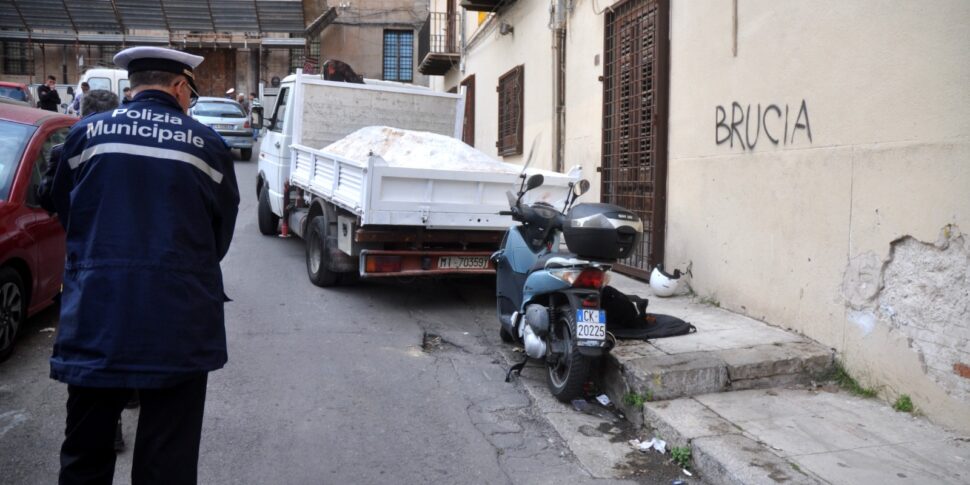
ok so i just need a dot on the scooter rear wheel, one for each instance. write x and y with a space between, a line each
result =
567 376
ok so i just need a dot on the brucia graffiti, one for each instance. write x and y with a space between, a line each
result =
780 125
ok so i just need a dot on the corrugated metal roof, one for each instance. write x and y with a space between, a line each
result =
141 14
172 15
93 15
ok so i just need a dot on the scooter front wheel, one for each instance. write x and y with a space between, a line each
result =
569 373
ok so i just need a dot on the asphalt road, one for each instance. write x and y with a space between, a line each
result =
324 385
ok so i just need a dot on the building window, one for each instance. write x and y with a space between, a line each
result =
398 55
296 59
511 87
15 58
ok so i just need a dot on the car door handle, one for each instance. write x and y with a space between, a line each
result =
277 144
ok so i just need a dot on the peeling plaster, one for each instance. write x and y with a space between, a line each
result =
923 291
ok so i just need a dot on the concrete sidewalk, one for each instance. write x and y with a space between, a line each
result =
748 398
776 427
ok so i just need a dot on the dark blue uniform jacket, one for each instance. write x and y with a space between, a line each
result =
148 197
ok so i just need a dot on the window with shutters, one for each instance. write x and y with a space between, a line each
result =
398 55
15 58
511 88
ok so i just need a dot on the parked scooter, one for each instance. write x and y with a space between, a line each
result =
549 300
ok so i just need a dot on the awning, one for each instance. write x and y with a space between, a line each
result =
120 16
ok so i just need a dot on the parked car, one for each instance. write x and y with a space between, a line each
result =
229 119
16 91
31 240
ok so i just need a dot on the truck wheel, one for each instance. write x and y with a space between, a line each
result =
268 222
13 309
567 376
246 153
317 254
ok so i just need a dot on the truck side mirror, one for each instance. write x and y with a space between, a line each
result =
534 181
581 188
257 117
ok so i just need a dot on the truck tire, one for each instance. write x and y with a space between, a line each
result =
567 376
13 309
246 153
317 253
268 222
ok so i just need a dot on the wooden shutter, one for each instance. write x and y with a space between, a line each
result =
511 89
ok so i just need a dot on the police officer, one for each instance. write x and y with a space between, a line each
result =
149 203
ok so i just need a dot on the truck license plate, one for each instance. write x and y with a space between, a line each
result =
591 324
463 262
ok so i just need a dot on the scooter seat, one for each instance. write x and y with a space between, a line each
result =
543 260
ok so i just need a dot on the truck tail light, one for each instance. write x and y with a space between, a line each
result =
246 124
383 264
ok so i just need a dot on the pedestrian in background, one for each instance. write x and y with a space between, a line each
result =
149 201
76 104
127 94
253 104
47 96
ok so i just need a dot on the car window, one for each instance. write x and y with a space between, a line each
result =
99 83
12 92
13 139
122 84
218 109
56 137
276 123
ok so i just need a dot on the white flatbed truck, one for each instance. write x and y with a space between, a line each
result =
367 218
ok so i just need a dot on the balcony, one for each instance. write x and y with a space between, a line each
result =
485 5
438 44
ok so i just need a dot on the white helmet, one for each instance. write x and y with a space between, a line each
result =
664 284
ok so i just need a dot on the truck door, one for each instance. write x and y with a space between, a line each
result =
274 152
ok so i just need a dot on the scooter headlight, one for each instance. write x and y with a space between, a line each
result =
582 278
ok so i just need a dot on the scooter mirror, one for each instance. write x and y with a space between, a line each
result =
534 181
581 188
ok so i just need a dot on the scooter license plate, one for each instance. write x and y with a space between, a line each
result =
590 324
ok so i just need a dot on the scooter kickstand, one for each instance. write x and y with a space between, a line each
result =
517 368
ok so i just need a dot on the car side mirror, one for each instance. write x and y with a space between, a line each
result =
581 188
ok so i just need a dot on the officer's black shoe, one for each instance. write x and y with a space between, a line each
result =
119 438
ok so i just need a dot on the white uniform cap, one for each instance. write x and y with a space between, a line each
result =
124 58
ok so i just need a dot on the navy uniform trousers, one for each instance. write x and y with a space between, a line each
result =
166 442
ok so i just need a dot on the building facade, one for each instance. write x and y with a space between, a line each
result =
245 43
808 161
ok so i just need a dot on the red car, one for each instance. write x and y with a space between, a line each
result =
16 91
31 240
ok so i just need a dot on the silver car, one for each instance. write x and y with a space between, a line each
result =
229 119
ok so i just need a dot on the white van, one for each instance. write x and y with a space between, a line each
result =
114 80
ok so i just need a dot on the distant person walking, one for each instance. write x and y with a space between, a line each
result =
47 96
76 104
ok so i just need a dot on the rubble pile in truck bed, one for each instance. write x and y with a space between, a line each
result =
416 149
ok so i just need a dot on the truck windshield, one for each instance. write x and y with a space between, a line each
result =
13 139
218 109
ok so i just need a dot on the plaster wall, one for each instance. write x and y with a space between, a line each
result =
817 180
489 55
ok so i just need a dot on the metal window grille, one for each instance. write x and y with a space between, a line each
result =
398 55
296 59
15 59
634 168
511 89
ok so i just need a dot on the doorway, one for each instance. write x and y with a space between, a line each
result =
635 96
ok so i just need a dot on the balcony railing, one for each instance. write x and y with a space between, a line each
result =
438 43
